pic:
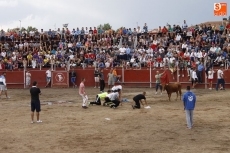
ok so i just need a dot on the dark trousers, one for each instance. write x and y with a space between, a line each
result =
116 102
220 81
102 85
97 101
200 76
137 103
158 85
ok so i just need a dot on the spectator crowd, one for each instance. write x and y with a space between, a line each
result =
172 46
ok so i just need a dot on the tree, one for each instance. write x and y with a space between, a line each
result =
106 26
30 28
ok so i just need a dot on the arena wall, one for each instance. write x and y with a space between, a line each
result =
130 78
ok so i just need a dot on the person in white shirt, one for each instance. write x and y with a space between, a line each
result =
48 77
210 77
194 78
220 78
114 98
3 87
34 63
28 79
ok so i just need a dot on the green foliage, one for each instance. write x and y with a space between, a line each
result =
106 26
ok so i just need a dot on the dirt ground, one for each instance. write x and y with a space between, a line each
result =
67 128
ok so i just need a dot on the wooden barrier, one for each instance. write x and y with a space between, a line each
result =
60 79
130 78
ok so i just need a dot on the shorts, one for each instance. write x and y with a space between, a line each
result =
3 87
194 81
35 106
210 80
96 79
48 79
73 79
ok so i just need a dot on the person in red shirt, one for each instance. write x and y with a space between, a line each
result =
159 61
95 31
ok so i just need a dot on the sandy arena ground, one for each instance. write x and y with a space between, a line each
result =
67 128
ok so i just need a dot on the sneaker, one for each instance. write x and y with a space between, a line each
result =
98 87
32 122
8 97
85 107
210 88
155 93
95 87
39 121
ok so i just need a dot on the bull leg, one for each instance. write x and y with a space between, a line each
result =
176 95
169 95
180 94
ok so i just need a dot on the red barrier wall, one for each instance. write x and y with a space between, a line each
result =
132 78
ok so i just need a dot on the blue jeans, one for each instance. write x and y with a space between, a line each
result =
158 85
189 118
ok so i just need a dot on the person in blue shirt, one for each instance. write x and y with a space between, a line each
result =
200 72
189 100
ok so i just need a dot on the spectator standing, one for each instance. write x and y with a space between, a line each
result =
82 93
138 100
210 77
102 80
35 102
220 78
73 76
48 77
110 79
158 81
189 100
28 79
200 72
194 78
96 78
3 85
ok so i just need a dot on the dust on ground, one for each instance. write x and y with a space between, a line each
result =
67 128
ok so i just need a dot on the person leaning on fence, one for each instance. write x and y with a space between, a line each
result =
48 77
3 85
73 76
220 78
96 78
158 81
28 79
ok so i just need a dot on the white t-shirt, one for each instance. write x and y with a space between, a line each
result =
113 95
117 87
122 51
48 73
220 74
210 74
194 76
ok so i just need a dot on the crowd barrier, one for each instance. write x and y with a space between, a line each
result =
129 78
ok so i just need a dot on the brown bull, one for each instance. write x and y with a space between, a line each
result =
172 87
